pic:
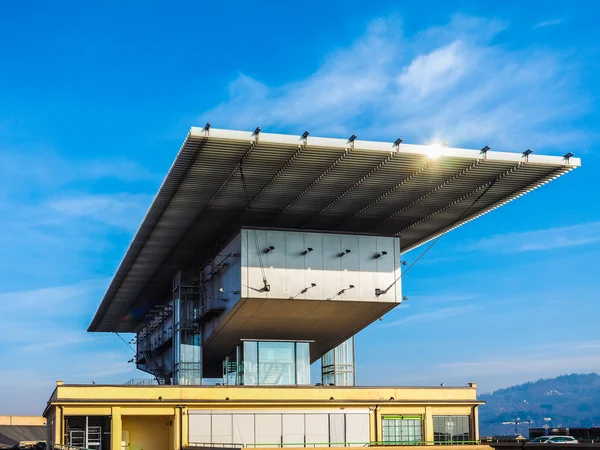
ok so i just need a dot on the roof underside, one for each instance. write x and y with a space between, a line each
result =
320 184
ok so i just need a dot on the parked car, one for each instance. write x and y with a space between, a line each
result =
554 440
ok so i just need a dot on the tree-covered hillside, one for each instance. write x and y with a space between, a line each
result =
565 401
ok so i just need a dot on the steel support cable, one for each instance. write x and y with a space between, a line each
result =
435 241
126 343
258 251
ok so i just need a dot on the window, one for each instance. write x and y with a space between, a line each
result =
402 430
451 429
275 363
338 365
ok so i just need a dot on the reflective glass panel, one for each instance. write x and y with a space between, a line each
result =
277 363
302 363
250 363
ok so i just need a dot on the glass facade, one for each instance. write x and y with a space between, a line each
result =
402 430
272 363
338 366
187 346
451 429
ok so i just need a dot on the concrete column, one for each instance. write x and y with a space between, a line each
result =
475 423
428 422
116 428
184 427
59 423
176 444
376 433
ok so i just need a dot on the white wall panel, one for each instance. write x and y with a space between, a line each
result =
332 265
255 281
368 276
313 265
293 429
290 427
275 265
294 263
357 429
200 428
397 270
268 429
288 271
222 432
317 429
337 429
350 268
243 429
386 267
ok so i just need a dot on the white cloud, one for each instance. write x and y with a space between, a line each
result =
548 23
51 318
447 82
43 339
434 72
502 372
46 168
431 316
26 391
539 240
499 371
56 298
120 210
443 297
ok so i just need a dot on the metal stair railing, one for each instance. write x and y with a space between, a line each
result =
68 447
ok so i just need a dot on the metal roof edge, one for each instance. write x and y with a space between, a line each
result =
114 284
482 212
421 149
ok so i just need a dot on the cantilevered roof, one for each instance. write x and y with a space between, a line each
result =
416 192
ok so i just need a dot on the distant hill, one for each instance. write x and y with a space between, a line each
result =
568 401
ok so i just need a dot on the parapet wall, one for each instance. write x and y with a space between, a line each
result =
23 420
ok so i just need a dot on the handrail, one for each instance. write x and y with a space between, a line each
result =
204 444
340 444
68 447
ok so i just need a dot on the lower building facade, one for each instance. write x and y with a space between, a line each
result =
175 417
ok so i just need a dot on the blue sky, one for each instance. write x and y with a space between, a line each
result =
95 101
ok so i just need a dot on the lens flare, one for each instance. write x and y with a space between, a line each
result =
435 151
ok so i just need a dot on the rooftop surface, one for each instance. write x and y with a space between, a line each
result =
222 180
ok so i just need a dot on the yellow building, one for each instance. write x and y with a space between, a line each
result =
23 431
173 417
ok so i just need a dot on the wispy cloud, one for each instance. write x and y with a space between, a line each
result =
498 370
548 23
45 329
120 210
30 389
43 168
431 316
58 314
447 82
523 367
540 240
61 300
444 297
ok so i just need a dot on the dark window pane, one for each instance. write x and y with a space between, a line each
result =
448 429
